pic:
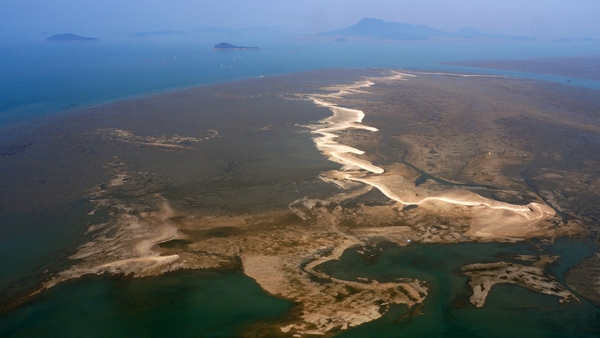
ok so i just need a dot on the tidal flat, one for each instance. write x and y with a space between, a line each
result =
582 67
382 200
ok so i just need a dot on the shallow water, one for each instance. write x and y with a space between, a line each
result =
40 78
33 242
205 304
185 304
509 310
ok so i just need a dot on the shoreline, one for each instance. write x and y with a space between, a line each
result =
581 67
344 118
155 227
12 124
63 113
8 128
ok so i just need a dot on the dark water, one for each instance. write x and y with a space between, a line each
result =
33 242
511 312
204 304
186 304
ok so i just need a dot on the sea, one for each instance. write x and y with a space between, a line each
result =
40 80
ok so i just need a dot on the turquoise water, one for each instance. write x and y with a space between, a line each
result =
31 243
204 304
186 304
510 311
42 79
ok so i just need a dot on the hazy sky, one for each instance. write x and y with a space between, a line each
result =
536 18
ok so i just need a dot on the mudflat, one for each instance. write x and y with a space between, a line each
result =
277 176
583 67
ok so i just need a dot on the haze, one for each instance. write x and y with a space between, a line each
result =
548 19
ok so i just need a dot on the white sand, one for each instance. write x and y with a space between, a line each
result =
343 118
494 218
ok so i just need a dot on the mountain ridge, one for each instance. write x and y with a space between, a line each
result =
228 46
378 29
69 37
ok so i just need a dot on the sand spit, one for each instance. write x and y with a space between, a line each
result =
343 118
462 75
346 118
491 220
127 243
174 141
532 277
125 246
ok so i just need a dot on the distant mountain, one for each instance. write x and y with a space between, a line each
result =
228 46
564 40
575 40
472 33
69 37
157 33
521 38
379 29
260 30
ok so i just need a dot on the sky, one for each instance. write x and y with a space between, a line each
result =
542 19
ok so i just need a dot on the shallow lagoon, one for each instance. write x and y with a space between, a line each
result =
509 310
186 304
206 304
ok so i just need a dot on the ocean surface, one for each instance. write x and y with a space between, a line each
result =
39 80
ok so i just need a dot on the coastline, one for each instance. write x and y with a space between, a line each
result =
136 58
317 220
16 124
583 67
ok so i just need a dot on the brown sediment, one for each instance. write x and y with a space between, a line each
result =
585 278
125 246
485 276
490 219
174 141
583 67
229 201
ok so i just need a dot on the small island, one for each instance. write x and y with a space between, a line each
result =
228 46
69 37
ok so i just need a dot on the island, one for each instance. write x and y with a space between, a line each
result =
69 37
372 28
228 46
